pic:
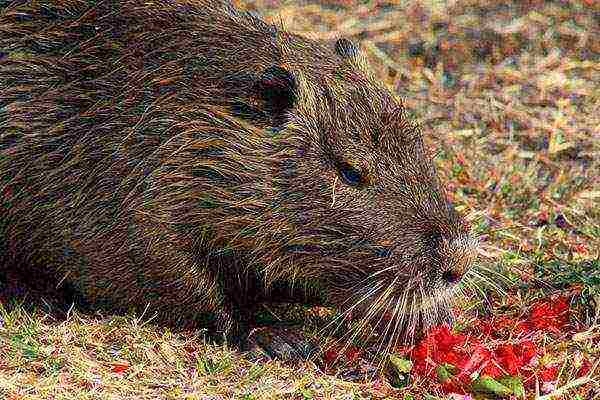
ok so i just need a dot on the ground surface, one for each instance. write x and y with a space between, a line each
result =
509 96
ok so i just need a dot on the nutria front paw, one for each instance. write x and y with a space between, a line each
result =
284 344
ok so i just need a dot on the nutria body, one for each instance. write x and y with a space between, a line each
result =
184 158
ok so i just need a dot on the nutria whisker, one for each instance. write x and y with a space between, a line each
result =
396 315
484 278
341 317
413 316
399 316
378 306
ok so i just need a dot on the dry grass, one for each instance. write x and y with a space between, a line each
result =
509 95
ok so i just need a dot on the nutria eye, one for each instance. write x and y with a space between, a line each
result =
350 175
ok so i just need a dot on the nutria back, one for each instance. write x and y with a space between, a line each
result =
192 160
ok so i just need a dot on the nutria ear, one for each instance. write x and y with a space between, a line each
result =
345 48
350 53
276 88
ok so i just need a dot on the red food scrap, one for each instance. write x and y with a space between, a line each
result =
549 374
585 368
550 316
456 359
120 368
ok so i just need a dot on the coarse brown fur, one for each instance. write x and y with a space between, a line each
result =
189 159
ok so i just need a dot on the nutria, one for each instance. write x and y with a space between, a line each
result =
188 159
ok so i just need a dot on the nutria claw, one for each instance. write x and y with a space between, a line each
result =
285 344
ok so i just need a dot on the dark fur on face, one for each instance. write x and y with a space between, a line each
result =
191 158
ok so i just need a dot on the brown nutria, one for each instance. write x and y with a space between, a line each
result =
192 160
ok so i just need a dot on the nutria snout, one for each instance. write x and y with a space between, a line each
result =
193 160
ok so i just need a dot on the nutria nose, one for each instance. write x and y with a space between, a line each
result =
457 257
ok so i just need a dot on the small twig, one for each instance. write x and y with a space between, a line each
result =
271 312
571 385
589 334
333 192
384 58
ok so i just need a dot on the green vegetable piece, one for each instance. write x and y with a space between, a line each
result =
445 372
398 371
487 384
515 384
401 364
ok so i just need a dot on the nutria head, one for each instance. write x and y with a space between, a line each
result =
352 207
366 211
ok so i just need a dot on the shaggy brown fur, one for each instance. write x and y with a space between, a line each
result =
190 159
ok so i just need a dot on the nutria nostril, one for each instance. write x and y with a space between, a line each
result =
451 276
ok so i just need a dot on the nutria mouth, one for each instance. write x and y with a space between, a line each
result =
192 160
